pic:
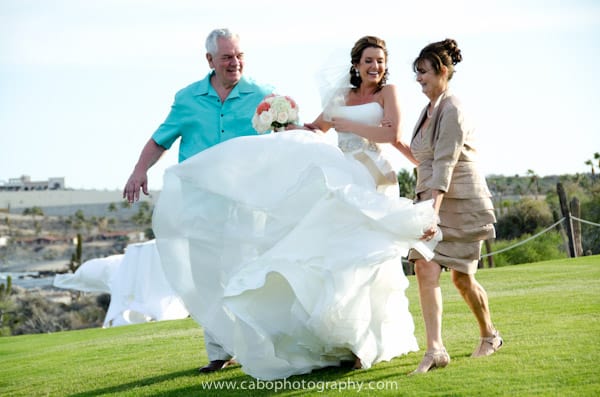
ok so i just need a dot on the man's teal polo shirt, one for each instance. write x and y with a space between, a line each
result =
201 120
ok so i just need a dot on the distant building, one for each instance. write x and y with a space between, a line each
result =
65 202
24 183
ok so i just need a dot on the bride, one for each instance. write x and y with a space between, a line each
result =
288 253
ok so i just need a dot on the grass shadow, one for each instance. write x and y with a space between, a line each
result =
138 383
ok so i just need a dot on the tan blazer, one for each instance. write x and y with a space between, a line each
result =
448 163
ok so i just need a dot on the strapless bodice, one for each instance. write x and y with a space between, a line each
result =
368 113
367 152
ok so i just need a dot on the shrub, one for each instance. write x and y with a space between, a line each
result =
524 217
7 307
590 211
34 314
549 245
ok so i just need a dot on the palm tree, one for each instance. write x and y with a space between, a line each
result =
591 164
597 158
534 180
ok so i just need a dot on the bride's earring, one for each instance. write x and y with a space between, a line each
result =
356 72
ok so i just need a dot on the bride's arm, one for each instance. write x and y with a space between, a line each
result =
402 147
388 132
319 125
405 150
385 133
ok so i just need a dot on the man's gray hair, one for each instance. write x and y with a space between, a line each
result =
211 40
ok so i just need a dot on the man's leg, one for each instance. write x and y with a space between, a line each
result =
218 357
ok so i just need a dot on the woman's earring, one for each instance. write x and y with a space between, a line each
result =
356 72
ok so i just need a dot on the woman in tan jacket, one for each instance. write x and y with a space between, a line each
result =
442 142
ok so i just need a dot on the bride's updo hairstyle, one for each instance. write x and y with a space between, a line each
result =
356 54
440 53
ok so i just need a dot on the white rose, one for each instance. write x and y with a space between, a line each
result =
259 125
282 117
266 118
255 122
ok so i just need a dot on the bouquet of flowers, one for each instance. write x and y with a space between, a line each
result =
275 112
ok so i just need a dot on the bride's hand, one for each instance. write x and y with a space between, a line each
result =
293 127
306 127
310 127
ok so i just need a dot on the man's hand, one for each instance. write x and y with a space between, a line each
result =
137 181
139 178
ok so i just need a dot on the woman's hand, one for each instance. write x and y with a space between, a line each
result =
386 123
429 233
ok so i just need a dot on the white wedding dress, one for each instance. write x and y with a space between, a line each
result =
282 248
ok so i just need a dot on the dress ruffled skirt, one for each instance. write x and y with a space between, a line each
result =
281 248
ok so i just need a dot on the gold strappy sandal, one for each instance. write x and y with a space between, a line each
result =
488 345
433 359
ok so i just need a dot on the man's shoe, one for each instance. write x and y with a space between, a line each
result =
216 365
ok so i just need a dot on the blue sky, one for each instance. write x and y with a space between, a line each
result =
83 84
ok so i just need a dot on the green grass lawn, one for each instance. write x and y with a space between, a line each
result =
547 312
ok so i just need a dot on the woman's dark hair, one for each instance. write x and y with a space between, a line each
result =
356 54
440 53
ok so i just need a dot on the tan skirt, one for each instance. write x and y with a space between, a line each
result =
465 224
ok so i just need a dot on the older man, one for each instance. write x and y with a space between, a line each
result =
205 113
